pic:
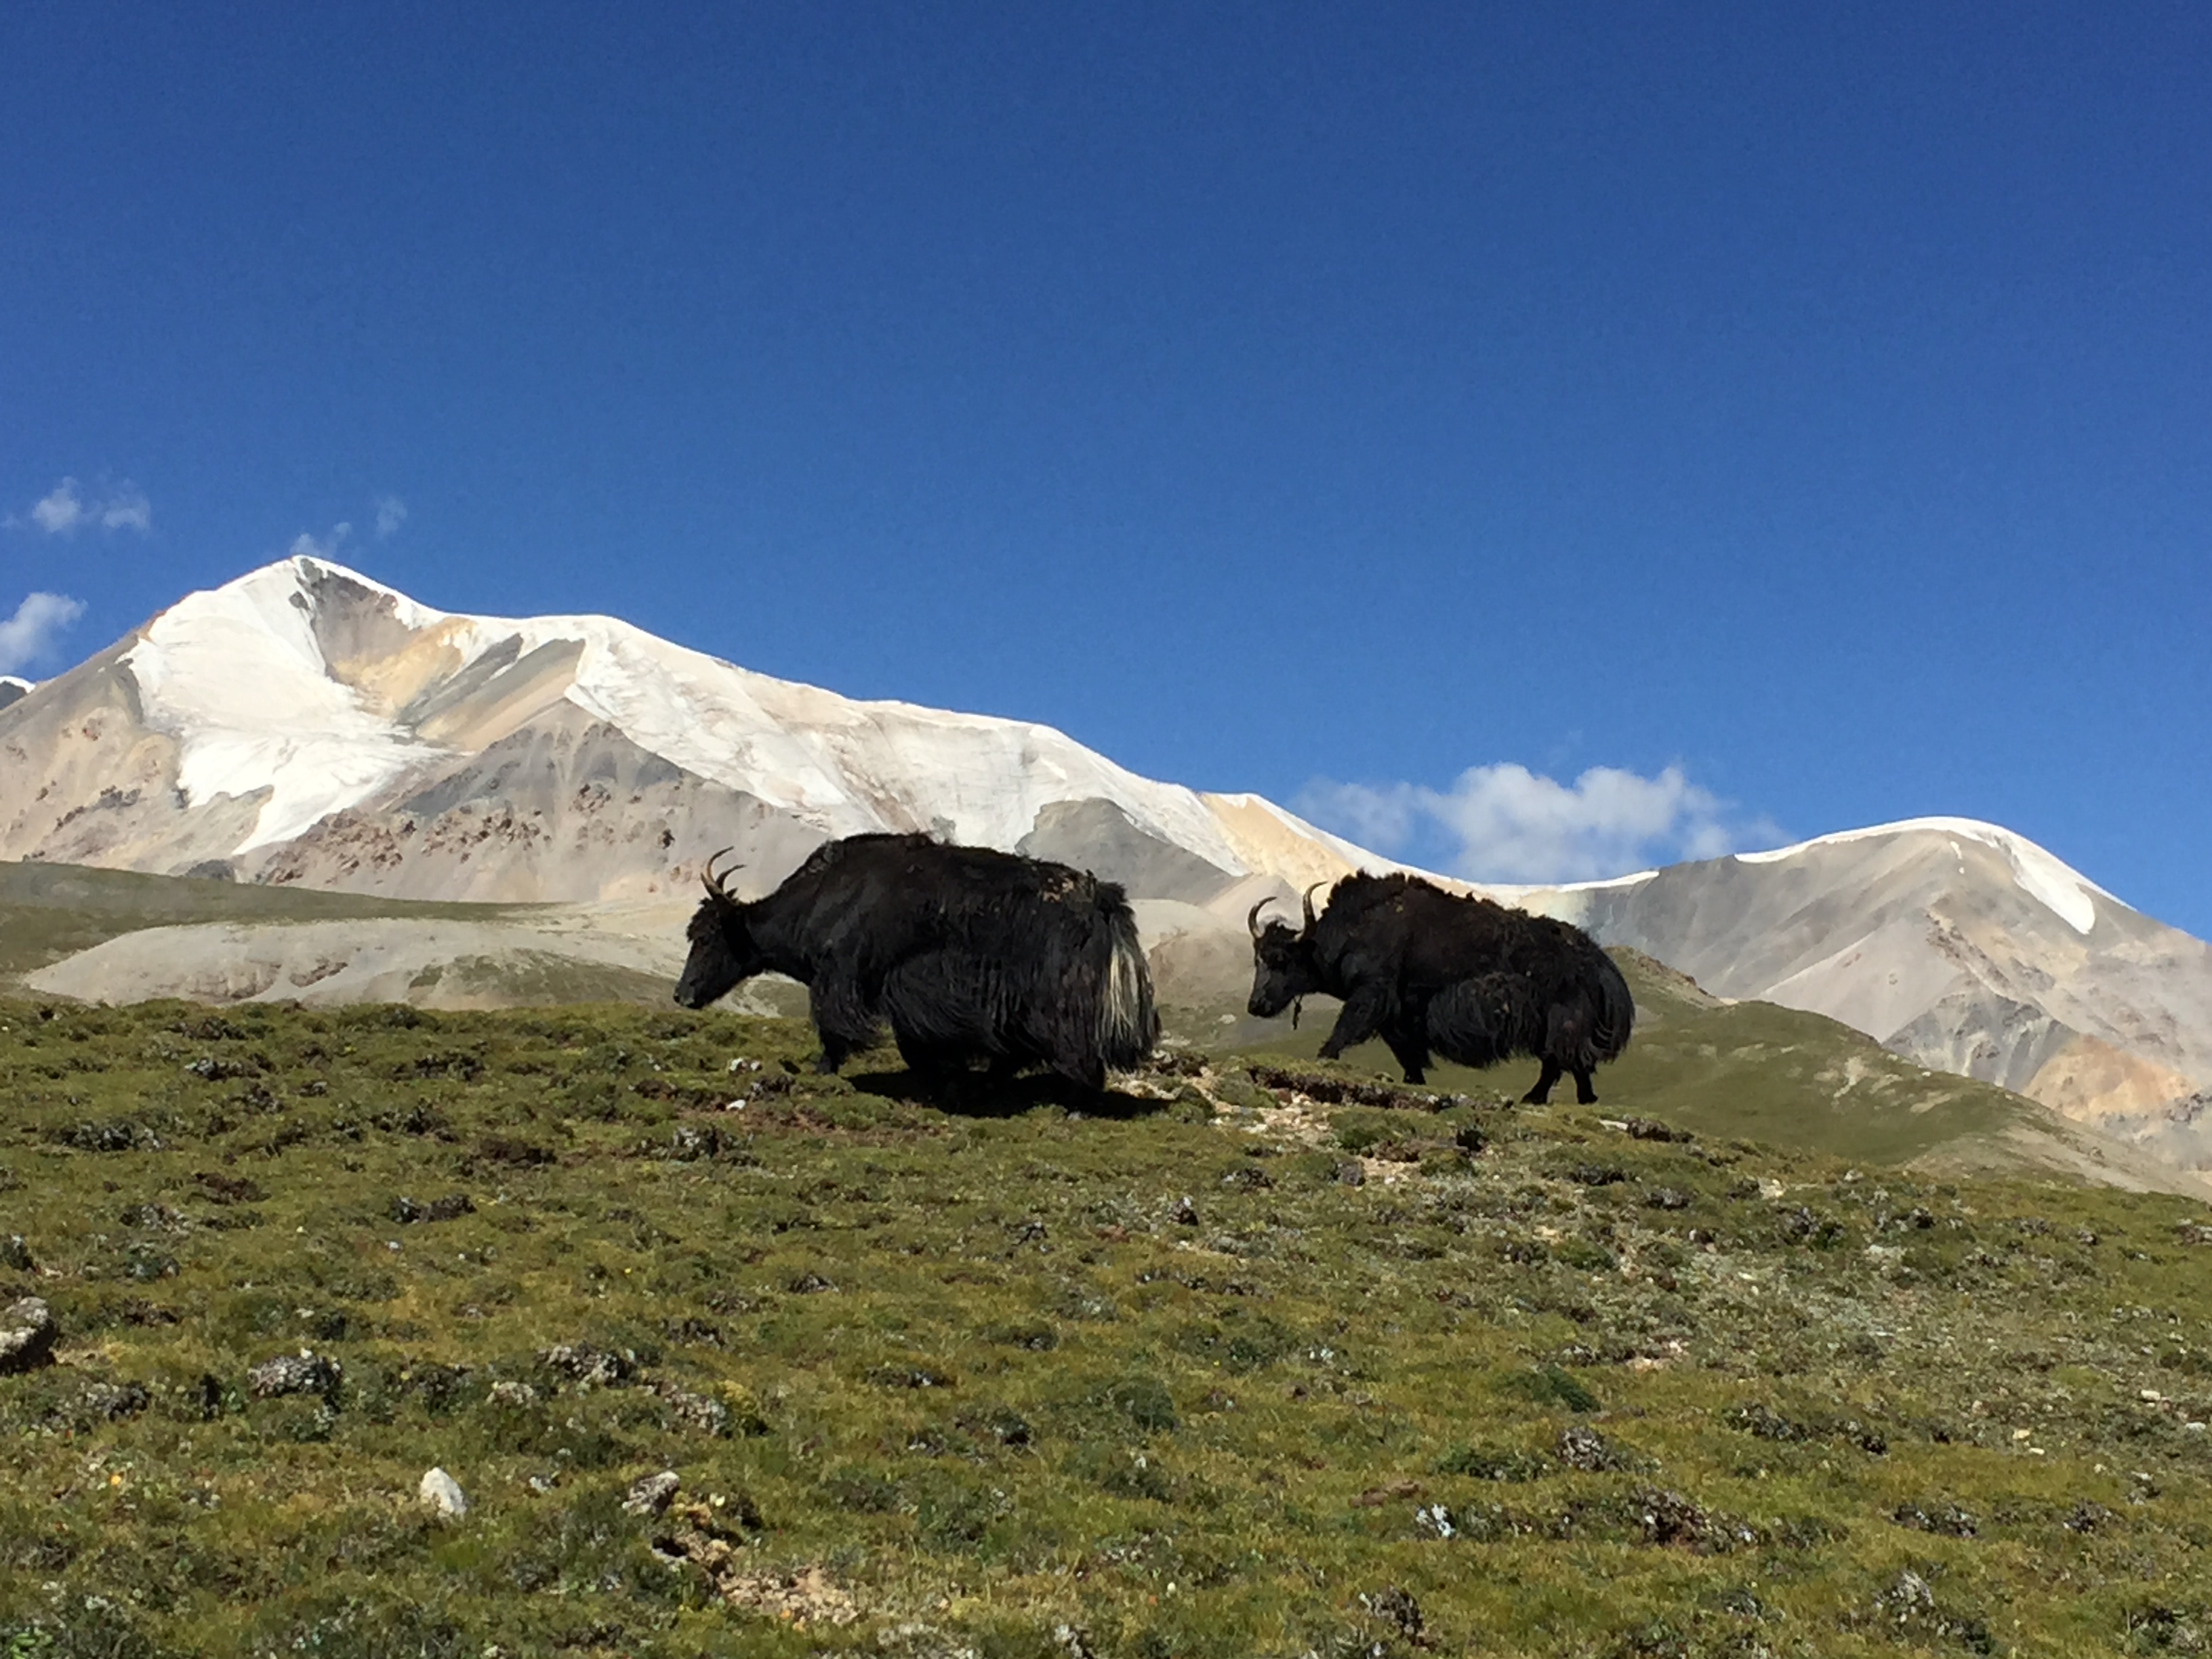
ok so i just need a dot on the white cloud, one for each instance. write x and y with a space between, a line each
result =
127 509
62 510
1506 823
35 628
390 514
306 546
65 510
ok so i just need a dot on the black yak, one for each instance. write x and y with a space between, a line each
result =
1424 969
969 954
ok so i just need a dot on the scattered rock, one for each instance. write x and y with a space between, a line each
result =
908 1377
1667 1197
695 1411
651 1496
153 1218
114 1402
515 1395
2086 1516
1395 1606
808 1595
304 1372
1597 1174
1435 1521
1248 1178
1763 1421
27 1335
1646 1128
810 1284
1945 1520
441 1494
1351 1173
450 1207
14 1253
1182 1213
1909 1603
119 1135
592 1367
1586 1450
210 1069
1340 1091
1668 1518
1908 1597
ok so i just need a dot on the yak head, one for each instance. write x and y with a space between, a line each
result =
1284 967
722 948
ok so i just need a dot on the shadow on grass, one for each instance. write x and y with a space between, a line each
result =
980 1094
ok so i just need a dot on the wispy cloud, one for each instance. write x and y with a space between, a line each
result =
306 545
1506 823
65 509
35 628
390 514
127 509
61 511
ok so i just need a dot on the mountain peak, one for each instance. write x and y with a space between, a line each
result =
2064 890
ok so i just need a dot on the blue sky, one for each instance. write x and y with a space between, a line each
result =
1782 418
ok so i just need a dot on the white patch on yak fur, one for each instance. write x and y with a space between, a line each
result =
1121 1012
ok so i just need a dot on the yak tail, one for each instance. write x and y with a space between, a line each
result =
1616 1012
1129 1023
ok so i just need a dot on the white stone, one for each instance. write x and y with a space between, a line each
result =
441 1492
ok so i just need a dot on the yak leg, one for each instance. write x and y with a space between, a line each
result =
1364 1012
843 1023
1541 1094
923 1058
1585 1091
1412 1052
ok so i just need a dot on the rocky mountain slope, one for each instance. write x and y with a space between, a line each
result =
1955 944
305 725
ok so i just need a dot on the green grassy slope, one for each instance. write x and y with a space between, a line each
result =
1748 1069
980 1381
48 911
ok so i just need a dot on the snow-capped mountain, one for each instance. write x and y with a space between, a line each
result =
14 687
307 724
1956 944
304 723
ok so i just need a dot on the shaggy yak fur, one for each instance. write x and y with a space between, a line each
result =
1424 969
969 954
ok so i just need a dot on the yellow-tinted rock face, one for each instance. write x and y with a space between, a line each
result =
2091 1081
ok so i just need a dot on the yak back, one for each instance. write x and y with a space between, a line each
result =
1409 931
1421 937
865 904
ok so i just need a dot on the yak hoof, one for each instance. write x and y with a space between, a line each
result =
1537 1097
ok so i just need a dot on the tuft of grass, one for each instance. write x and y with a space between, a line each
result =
1210 1367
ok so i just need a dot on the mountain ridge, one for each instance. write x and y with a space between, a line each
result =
307 725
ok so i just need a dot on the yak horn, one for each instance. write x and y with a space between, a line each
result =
1310 891
1252 916
712 882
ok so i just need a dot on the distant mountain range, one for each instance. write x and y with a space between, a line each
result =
306 726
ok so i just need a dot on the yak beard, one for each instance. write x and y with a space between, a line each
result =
1297 1006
